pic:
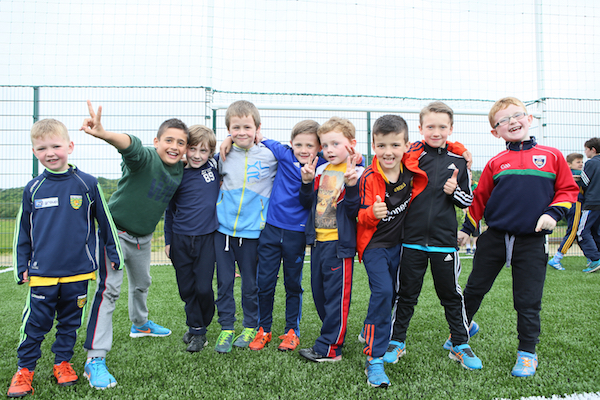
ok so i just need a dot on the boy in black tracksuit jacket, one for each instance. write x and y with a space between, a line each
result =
441 182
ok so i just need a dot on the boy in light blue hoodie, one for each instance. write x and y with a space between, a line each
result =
247 180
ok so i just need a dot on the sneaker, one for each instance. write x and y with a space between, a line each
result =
64 374
245 338
376 376
312 355
260 340
526 364
187 337
95 371
473 329
290 341
224 341
555 264
593 266
361 336
149 329
465 356
469 252
20 385
394 351
197 343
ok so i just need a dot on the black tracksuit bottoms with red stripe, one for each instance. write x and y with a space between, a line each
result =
527 257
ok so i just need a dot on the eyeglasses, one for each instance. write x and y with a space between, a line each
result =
506 120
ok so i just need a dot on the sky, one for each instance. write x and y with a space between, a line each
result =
359 53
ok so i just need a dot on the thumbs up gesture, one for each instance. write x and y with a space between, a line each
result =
451 183
379 208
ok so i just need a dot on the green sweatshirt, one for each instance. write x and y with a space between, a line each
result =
144 190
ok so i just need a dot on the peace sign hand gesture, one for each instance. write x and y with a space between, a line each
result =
351 176
93 126
308 170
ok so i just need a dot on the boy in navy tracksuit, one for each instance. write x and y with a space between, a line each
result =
283 237
331 194
190 223
55 253
242 207
441 182
590 218
575 162
522 192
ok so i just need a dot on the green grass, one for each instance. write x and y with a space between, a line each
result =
158 368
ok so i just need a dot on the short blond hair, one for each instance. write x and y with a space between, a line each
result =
342 125
501 105
202 134
240 109
49 127
437 107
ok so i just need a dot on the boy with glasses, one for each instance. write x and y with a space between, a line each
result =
516 228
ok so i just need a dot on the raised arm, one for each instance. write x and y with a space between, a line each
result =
93 126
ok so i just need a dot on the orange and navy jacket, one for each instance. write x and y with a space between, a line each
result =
519 185
371 184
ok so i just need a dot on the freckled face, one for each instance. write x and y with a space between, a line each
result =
334 145
516 130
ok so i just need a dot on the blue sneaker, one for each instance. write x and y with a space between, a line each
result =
224 341
465 356
526 364
149 329
473 329
361 335
394 351
593 266
555 264
376 376
95 371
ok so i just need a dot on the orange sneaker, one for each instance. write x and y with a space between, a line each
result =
64 374
21 383
290 341
260 340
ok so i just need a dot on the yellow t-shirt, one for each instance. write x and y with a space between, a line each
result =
330 187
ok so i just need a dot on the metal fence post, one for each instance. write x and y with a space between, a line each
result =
36 115
369 156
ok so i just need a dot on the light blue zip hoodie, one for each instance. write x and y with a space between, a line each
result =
247 177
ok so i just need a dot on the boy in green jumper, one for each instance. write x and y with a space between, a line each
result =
150 178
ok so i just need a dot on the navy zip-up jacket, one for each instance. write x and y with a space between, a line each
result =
55 233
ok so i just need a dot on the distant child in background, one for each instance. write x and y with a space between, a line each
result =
331 193
441 182
588 232
247 173
385 190
523 191
283 237
150 177
190 224
54 253
575 162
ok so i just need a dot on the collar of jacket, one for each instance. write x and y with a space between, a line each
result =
520 146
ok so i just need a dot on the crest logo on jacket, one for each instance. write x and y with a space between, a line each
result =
539 161
76 201
81 300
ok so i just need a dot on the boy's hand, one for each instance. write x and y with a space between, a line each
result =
168 251
545 222
308 170
379 208
26 276
351 176
225 147
451 183
93 126
258 137
461 238
112 265
468 158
